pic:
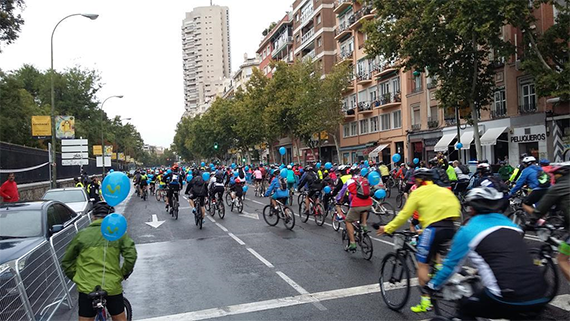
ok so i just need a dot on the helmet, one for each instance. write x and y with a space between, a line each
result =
289 167
102 209
529 159
486 200
484 168
433 161
544 162
423 173
561 169
354 169
174 167
238 180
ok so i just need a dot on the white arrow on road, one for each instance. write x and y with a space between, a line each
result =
155 222
253 216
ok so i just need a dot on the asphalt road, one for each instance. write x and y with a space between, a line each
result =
239 268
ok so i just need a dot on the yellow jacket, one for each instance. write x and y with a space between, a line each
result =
432 202
384 170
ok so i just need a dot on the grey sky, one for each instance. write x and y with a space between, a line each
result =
136 45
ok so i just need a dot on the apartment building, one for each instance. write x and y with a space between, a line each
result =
240 78
277 45
206 55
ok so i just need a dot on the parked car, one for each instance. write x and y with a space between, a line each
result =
74 197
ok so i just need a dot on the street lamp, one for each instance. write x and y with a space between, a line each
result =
103 133
53 138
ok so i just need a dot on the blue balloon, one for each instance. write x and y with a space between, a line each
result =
206 176
236 174
380 194
247 168
364 171
272 171
292 164
115 188
328 165
188 178
245 188
396 158
282 150
301 170
283 173
233 166
366 163
416 160
318 165
111 170
327 189
374 178
202 164
113 226
459 145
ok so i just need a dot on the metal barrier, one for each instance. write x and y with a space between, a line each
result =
34 286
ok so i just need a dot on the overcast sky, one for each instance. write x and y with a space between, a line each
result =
136 46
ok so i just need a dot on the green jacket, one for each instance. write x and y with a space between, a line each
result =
505 172
84 260
451 173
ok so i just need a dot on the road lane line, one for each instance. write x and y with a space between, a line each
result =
259 257
300 289
562 302
211 219
222 227
375 239
236 238
257 202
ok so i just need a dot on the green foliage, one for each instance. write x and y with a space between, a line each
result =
10 21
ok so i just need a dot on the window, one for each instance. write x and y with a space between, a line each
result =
396 85
352 100
500 103
528 97
372 93
416 116
319 42
397 119
346 130
318 19
385 120
374 124
417 83
364 126
362 96
353 129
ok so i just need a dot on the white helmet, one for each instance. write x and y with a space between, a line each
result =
483 193
529 159
289 167
486 200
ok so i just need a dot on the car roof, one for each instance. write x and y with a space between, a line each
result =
29 205
65 189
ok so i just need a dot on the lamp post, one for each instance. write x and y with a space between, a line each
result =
103 133
53 138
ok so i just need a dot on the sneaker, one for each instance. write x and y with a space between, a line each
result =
365 228
338 218
424 306
351 247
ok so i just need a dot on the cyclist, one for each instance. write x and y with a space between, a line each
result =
439 174
486 179
513 284
216 185
360 204
258 177
237 188
384 172
530 177
559 195
152 182
173 181
518 170
198 191
143 184
89 256
290 178
344 175
315 184
278 191
437 220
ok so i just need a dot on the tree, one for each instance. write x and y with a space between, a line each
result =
10 21
451 40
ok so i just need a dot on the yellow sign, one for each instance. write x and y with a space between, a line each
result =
128 159
324 135
121 156
108 150
113 156
64 127
97 150
41 126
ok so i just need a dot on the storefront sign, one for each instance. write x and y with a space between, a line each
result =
528 138
431 141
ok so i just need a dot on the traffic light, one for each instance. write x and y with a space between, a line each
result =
215 145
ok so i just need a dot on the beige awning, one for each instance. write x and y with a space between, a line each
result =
443 143
377 150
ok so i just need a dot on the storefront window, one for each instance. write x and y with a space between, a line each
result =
529 148
501 149
345 158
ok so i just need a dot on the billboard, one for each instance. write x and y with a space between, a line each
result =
97 150
114 156
41 126
121 156
108 150
64 127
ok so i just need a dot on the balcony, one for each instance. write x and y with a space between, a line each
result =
364 107
280 44
498 113
416 89
306 15
342 31
341 5
349 112
528 108
310 55
364 78
433 122
307 35
388 100
349 86
416 127
384 69
364 13
450 121
344 56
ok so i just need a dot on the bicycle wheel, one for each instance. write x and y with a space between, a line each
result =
366 247
335 222
544 261
304 213
387 213
157 195
345 240
239 205
288 218
388 192
301 199
175 209
320 214
228 199
196 217
221 209
291 196
128 309
270 217
210 208
207 204
400 200
200 216
394 281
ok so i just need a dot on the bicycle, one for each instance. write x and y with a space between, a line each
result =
272 216
361 238
338 218
301 198
99 303
217 204
175 205
400 198
152 188
315 208
445 300
144 192
160 194
383 210
238 204
198 212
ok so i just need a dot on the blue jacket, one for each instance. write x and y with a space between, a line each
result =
276 187
529 176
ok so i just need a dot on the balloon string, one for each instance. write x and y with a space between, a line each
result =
104 263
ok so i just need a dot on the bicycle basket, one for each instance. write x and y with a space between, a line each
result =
399 241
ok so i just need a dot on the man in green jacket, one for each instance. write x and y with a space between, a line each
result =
505 171
90 260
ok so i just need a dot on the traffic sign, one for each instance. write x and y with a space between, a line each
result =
72 162
77 155
74 152
73 142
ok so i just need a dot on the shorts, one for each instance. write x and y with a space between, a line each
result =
486 305
354 213
432 241
534 196
115 305
217 189
290 185
282 200
259 180
313 193
407 187
197 199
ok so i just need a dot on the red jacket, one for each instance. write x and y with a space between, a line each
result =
355 200
9 192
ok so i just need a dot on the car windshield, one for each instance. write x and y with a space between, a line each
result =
20 223
69 196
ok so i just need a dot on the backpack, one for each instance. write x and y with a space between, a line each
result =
362 188
199 187
464 169
443 178
282 183
543 179
241 175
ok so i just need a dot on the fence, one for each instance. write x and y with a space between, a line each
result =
17 156
34 287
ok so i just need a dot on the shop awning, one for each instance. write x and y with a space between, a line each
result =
443 143
467 139
490 136
377 150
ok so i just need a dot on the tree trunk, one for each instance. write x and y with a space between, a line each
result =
337 148
473 107
296 148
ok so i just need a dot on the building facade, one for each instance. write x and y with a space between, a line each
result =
206 55
277 45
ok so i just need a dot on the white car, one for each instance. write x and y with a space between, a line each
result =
74 197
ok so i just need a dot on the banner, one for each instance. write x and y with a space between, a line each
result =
64 127
121 156
128 159
41 126
108 150
113 156
97 150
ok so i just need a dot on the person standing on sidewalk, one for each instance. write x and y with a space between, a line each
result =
9 190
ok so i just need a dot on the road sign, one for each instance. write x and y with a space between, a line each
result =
107 161
72 162
73 142
77 155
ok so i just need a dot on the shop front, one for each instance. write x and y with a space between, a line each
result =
422 144
354 154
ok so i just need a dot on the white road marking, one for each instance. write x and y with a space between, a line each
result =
254 216
237 239
562 302
259 257
211 219
154 221
300 289
184 208
222 227
257 202
375 239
